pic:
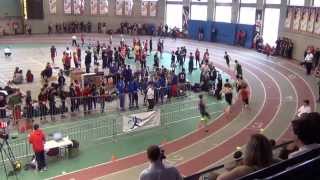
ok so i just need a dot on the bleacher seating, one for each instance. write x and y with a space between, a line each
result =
305 166
309 170
281 166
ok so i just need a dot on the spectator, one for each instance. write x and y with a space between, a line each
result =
37 139
17 76
308 60
150 97
29 76
3 104
306 130
121 93
7 52
53 53
88 60
258 154
47 72
157 169
29 107
305 108
200 33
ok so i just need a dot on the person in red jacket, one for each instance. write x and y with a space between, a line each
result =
37 139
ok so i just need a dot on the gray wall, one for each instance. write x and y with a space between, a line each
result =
113 21
300 40
10 11
10 8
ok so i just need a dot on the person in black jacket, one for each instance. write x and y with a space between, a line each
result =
88 60
3 105
217 93
72 95
150 45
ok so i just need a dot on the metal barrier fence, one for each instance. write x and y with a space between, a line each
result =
109 125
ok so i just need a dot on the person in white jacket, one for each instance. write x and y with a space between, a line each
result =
150 97
305 108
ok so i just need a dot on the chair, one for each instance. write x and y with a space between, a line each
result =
73 149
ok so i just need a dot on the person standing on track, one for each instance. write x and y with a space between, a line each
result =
228 94
308 60
191 57
204 114
227 58
53 52
74 40
197 55
244 95
238 69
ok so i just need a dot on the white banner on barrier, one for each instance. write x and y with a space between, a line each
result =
140 121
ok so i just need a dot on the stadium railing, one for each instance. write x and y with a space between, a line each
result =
203 174
107 125
306 170
282 165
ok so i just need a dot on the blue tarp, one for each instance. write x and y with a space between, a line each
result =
220 32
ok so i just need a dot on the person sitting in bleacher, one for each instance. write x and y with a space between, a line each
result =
306 130
258 155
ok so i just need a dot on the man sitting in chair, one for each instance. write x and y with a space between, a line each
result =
7 52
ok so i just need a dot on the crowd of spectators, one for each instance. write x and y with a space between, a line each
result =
70 27
284 47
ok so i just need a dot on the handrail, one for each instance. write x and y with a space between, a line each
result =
199 174
312 165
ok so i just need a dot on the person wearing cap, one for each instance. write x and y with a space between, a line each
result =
158 170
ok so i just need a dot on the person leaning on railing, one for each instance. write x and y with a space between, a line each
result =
258 154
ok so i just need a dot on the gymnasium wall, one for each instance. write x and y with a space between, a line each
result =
9 8
113 21
301 40
9 12
220 32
